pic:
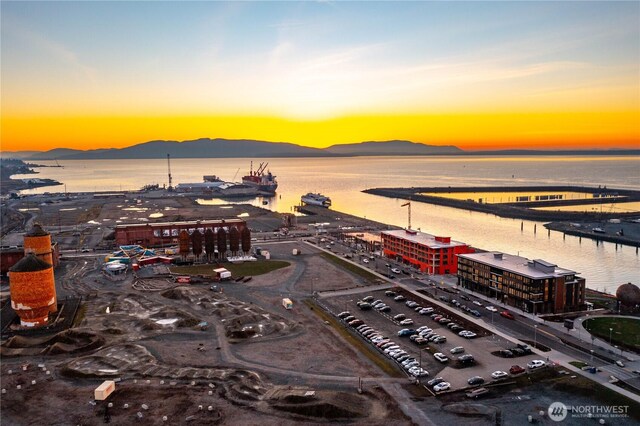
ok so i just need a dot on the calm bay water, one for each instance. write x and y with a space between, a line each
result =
603 265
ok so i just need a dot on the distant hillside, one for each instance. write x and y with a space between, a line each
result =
395 147
17 154
200 148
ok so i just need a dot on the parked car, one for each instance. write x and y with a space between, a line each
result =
506 353
385 308
349 318
367 299
421 329
356 322
396 271
466 359
507 314
516 369
441 357
457 350
456 328
406 332
440 339
407 321
344 314
411 304
420 341
399 298
390 293
496 375
475 302
536 363
444 321
425 311
463 297
620 363
365 306
418 308
475 380
441 387
491 309
435 381
400 317
418 372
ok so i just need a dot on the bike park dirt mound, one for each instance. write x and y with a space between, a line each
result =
241 320
65 342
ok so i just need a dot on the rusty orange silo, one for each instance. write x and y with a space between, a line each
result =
33 290
38 241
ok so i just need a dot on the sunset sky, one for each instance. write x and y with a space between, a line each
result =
477 75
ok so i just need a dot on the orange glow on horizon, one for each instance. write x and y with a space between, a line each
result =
469 131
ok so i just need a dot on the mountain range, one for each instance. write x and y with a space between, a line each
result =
238 148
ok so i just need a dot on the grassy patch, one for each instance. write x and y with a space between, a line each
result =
605 396
359 344
372 279
237 269
578 364
625 331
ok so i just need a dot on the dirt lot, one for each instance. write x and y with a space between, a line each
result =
260 362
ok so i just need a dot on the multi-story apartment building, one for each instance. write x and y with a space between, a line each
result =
431 254
534 286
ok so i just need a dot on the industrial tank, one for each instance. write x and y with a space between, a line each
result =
38 241
33 290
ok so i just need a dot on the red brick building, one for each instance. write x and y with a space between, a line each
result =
166 233
429 253
9 256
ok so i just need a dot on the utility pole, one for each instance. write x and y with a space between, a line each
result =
409 211
170 188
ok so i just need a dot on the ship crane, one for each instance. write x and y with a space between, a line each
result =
170 188
409 212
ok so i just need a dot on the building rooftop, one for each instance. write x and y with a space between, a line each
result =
424 238
184 223
535 269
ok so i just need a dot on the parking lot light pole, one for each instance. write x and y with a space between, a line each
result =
610 331
535 336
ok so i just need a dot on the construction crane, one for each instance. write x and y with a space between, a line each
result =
409 205
170 188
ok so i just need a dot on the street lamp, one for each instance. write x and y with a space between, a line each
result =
535 336
610 331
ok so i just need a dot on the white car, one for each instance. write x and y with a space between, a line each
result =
418 372
424 327
441 357
396 271
492 309
536 363
475 302
365 260
498 375
442 387
407 321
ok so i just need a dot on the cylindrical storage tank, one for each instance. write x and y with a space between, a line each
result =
33 290
38 241
184 240
196 243
234 240
245 237
209 243
222 242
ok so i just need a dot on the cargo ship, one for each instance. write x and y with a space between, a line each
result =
265 182
312 199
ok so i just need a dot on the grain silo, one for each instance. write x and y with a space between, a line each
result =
38 241
33 290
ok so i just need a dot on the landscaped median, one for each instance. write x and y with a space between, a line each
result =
620 331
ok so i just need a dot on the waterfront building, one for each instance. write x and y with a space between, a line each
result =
429 253
534 286
167 233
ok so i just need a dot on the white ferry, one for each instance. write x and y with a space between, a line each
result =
312 199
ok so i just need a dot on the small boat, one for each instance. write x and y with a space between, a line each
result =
599 231
312 199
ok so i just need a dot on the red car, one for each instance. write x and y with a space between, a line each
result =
507 314
516 369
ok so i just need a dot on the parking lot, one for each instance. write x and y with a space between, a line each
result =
485 347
